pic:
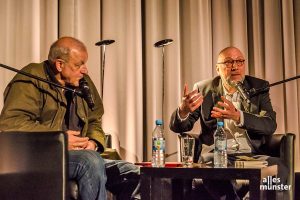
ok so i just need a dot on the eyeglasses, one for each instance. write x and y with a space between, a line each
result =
229 63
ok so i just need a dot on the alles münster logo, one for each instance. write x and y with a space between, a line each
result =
273 183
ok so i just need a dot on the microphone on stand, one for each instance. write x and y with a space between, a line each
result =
103 43
240 88
86 93
242 91
255 91
39 78
244 94
83 90
159 44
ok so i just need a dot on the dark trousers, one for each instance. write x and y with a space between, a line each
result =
123 179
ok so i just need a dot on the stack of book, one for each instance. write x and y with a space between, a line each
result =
245 161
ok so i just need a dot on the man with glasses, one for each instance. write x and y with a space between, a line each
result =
250 121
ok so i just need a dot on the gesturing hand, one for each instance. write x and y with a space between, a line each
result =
190 101
75 142
229 111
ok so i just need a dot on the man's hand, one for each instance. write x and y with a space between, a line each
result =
229 111
75 142
91 145
190 102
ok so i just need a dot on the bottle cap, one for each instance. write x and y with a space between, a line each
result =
159 122
220 123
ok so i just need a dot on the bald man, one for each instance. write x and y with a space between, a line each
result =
251 121
32 105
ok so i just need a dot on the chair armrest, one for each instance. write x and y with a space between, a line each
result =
108 142
282 145
272 147
111 154
287 152
287 149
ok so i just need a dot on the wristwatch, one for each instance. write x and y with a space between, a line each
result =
96 145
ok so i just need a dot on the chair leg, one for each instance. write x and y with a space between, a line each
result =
110 196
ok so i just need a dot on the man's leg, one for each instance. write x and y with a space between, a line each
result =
221 189
87 168
123 179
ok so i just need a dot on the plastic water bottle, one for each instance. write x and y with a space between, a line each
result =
220 152
158 145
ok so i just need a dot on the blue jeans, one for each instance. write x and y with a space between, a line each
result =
123 179
88 169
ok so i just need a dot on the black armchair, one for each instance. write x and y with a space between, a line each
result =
282 146
33 166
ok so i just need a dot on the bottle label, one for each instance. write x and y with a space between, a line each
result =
158 144
221 144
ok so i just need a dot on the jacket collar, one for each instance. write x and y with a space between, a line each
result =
51 77
49 73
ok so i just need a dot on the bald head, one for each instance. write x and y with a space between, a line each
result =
229 51
231 66
61 48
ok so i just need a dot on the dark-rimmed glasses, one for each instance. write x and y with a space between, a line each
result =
229 63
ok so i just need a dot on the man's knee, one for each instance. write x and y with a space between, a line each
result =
91 162
123 167
94 160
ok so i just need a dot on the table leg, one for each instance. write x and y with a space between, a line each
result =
145 187
159 188
254 189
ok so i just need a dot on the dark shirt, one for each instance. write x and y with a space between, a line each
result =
71 120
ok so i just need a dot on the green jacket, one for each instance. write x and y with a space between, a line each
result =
32 105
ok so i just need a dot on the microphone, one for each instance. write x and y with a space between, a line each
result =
254 91
86 93
215 98
162 43
104 42
239 86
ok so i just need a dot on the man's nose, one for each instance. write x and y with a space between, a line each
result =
234 66
84 69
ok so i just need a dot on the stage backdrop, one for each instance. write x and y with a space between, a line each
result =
268 32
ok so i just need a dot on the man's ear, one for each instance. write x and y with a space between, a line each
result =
59 64
218 69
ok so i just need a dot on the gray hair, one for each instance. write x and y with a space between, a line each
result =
62 47
57 52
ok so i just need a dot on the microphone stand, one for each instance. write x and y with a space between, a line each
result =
103 43
41 79
163 43
253 92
